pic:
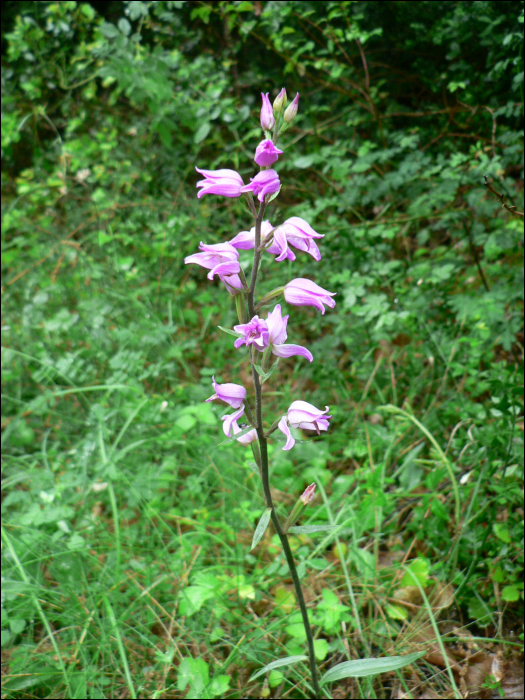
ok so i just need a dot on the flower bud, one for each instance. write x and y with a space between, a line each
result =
280 102
291 110
309 495
267 118
301 503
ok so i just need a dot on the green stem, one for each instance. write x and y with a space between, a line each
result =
256 260
263 449
263 445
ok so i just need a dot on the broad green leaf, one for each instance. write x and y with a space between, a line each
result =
320 649
307 529
261 527
304 161
420 569
275 678
87 10
193 672
285 600
396 612
124 26
478 610
185 422
317 563
109 30
510 594
246 591
365 562
330 598
202 132
287 661
296 630
244 7
502 532
369 667
219 686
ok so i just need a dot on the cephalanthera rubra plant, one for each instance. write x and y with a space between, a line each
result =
266 337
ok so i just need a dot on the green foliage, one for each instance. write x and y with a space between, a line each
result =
114 487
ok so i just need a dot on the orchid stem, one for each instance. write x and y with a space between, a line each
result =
263 450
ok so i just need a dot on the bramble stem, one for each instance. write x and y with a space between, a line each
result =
263 450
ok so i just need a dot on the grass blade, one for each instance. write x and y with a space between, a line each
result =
122 651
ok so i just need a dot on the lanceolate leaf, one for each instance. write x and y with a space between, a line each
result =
261 527
266 375
260 372
307 529
369 667
277 664
271 371
274 195
245 431
230 332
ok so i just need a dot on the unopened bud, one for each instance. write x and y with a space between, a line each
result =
267 118
291 110
309 495
280 102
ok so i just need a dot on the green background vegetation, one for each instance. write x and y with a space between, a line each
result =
126 536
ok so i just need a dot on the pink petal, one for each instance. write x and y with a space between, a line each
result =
283 427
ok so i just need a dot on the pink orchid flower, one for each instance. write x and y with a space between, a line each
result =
302 414
304 292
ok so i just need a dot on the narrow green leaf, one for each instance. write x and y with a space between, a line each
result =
274 195
260 372
245 431
307 529
261 527
277 664
271 371
369 667
230 332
